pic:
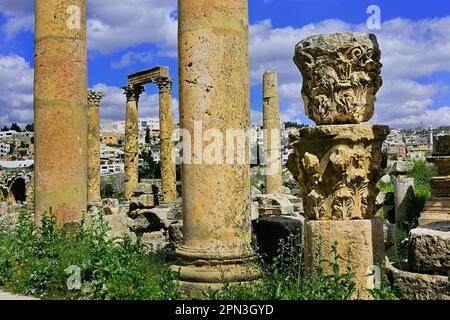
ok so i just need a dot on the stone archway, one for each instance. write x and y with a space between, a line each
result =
18 190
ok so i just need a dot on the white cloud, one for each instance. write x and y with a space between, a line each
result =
16 91
112 24
113 106
117 24
131 58
410 49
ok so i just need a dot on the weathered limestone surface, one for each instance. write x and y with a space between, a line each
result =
441 145
429 248
339 162
270 232
338 167
168 168
60 109
403 192
363 237
417 286
214 89
132 139
438 207
341 75
272 135
94 99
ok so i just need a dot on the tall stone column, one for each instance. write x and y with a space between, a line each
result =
214 93
168 168
272 137
339 161
60 109
132 139
94 99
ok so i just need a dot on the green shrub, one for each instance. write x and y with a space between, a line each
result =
35 261
422 172
286 279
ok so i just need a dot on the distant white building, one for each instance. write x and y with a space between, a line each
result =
5 149
119 126
111 160
16 164
7 134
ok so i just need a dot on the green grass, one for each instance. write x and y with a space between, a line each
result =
40 261
35 261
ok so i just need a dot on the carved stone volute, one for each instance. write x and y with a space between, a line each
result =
341 75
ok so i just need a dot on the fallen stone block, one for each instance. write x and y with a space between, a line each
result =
175 232
417 286
270 231
154 241
274 204
429 248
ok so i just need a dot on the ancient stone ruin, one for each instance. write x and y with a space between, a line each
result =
426 272
339 161
136 81
94 99
214 86
438 207
60 111
210 234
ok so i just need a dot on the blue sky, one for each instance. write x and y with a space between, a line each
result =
128 36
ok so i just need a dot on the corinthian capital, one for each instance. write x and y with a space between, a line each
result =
95 97
133 92
341 75
165 84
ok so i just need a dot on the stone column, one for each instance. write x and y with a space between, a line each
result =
214 92
339 161
60 110
403 192
272 136
132 139
168 168
94 99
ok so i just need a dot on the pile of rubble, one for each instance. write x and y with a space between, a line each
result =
426 273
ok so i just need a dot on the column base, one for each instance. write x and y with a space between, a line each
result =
196 280
363 237
203 270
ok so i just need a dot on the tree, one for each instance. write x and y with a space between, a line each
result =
147 135
290 124
5 128
150 169
16 127
29 127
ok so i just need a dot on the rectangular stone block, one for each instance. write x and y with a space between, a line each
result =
364 238
436 209
440 186
429 248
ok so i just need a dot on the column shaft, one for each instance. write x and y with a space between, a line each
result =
214 93
132 140
272 137
168 168
60 109
94 146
